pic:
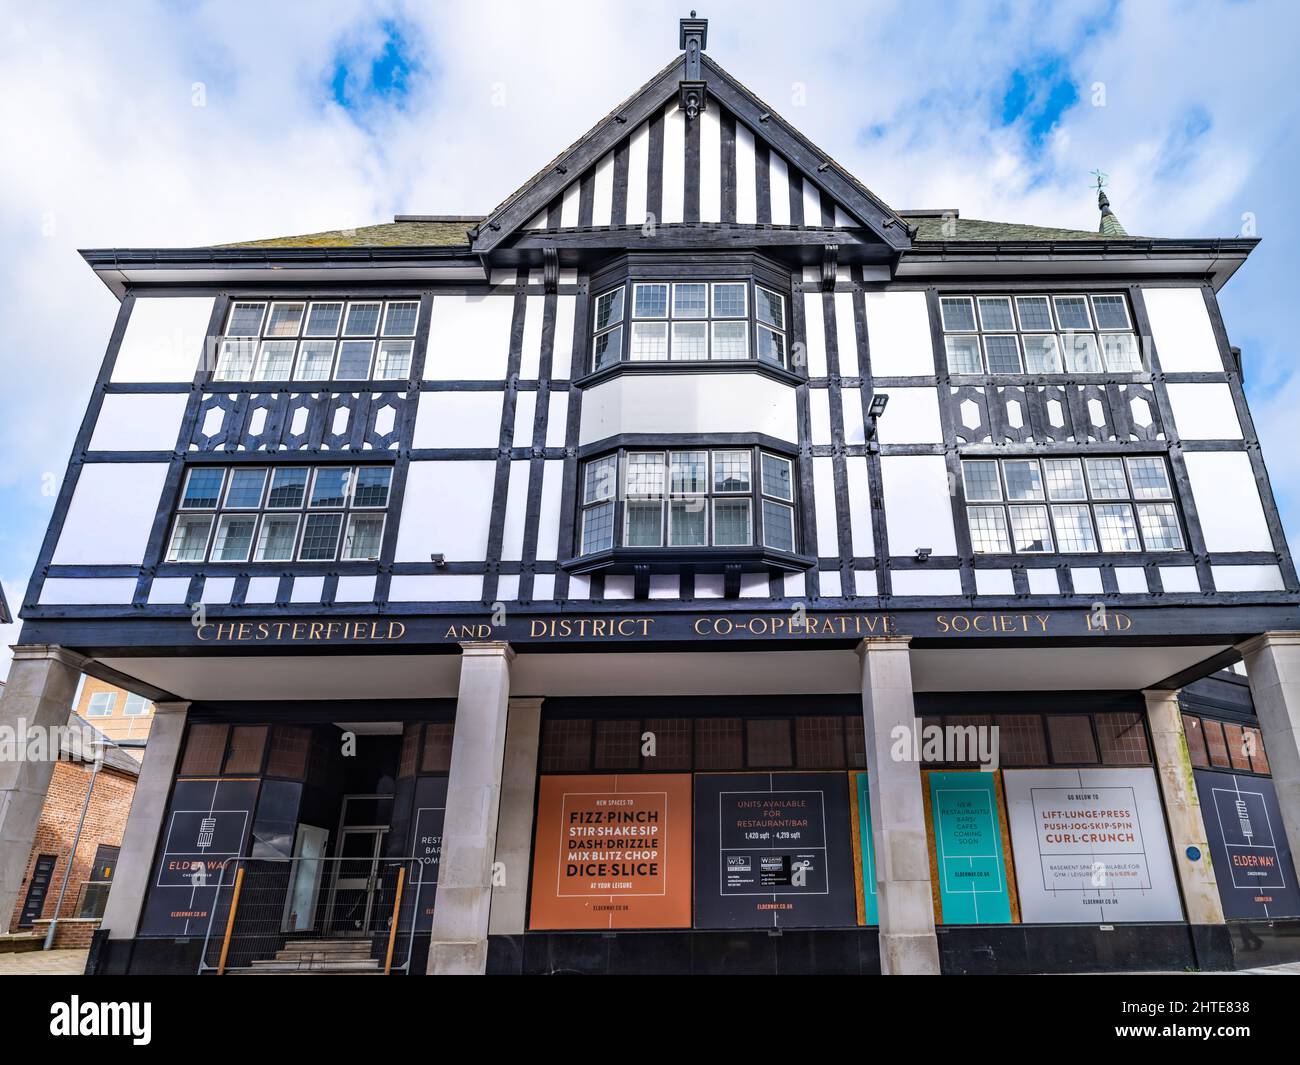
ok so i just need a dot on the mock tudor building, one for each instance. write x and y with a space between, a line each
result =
694 565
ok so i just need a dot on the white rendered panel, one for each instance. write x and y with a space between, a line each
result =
898 333
911 417
638 165
562 346
689 403
674 173
548 515
530 353
746 195
557 419
446 511
918 507
164 339
569 206
779 188
1227 501
435 588
355 589
926 581
516 516
854 425
846 334
111 514
819 407
828 544
138 422
859 505
994 582
710 166
1247 578
87 591
1180 327
602 191
458 419
525 411
812 204
469 338
1204 411
814 333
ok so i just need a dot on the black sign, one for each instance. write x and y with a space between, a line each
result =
426 846
1248 845
207 823
773 850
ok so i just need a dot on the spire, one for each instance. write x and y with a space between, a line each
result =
1110 225
693 89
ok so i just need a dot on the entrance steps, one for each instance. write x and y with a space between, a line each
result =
320 956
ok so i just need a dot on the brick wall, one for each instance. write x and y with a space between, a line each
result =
105 822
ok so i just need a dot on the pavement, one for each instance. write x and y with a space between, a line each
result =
44 963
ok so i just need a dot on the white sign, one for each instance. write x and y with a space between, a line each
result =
1090 846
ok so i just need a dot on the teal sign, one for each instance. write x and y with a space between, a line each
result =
968 848
868 852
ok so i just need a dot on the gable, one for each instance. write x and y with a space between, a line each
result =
711 170
737 163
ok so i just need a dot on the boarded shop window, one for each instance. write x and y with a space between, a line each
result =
566 746
769 743
289 747
247 745
437 747
410 751
1255 747
855 741
1196 751
618 744
205 749
1215 743
672 743
719 743
1021 740
1072 741
819 742
1123 739
1237 751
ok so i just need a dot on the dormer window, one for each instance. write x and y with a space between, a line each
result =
662 321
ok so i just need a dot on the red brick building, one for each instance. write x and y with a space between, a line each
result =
101 835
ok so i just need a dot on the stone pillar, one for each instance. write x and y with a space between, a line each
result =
1273 669
463 903
515 822
37 698
908 944
1182 808
145 821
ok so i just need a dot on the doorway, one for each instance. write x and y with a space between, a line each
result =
352 908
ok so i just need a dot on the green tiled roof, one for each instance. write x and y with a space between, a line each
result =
387 235
452 234
932 228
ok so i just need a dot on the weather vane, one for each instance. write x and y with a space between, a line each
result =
1101 178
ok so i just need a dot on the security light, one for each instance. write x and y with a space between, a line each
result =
923 554
878 402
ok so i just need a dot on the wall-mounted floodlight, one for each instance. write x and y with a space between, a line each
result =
923 554
438 560
874 410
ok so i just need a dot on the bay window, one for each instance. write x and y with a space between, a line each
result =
693 497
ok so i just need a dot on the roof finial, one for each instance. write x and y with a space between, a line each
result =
1110 225
693 90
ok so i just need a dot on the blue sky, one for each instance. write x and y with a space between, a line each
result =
149 124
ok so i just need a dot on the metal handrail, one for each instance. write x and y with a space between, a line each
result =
409 887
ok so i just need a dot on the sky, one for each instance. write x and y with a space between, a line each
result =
149 124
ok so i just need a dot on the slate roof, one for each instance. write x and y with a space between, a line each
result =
974 229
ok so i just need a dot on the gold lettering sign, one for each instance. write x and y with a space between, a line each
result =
992 624
299 631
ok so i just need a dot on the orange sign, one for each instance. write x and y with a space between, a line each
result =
613 852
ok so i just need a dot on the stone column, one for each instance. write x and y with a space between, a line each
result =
515 822
1182 808
37 699
463 902
1273 669
145 821
908 944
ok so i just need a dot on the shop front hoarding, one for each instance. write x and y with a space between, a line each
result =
773 850
1252 859
612 852
1090 846
970 858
